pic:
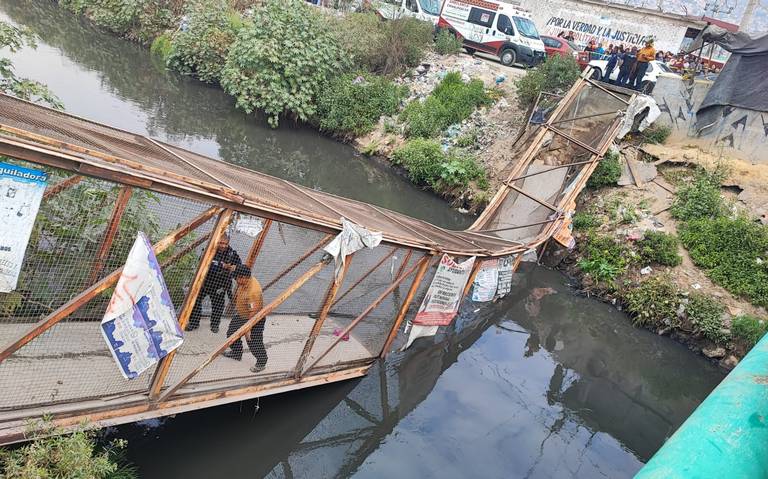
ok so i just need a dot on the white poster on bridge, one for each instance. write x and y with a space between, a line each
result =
443 298
140 324
21 191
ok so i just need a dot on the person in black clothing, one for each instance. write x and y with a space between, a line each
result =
217 285
627 67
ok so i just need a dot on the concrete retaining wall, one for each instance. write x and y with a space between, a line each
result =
739 133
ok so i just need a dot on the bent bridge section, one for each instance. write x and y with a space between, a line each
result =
107 184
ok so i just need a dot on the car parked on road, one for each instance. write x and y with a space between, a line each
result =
560 47
655 70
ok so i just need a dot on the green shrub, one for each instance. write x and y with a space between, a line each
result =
467 139
656 134
118 16
273 68
654 302
556 74
749 329
162 46
608 171
699 198
459 169
426 163
352 104
452 101
706 315
422 158
387 47
659 247
584 220
201 49
73 455
604 257
733 253
446 43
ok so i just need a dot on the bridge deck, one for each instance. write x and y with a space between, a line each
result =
26 379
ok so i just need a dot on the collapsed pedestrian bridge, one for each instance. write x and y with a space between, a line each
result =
107 184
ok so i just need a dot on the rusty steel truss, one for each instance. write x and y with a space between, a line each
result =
322 330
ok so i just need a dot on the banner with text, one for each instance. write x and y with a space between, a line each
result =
21 191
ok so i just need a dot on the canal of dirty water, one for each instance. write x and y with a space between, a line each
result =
544 383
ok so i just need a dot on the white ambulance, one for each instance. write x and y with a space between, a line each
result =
489 26
426 10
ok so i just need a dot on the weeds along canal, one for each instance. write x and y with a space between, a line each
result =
545 383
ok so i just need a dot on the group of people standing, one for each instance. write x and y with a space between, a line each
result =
225 267
632 64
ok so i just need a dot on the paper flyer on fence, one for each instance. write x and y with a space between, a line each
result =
441 304
140 323
486 281
21 191
504 285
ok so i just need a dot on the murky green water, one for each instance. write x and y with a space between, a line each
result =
542 384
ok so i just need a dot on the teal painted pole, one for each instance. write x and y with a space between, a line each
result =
727 435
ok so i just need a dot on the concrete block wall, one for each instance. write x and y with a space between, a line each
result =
739 132
607 23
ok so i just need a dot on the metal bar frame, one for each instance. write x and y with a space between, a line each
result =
292 266
61 186
405 263
595 84
258 243
158 379
568 137
107 282
537 200
362 278
361 316
328 303
121 203
406 305
543 172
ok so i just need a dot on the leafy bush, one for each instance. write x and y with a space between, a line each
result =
659 247
706 315
388 47
654 302
201 47
608 171
604 258
749 329
460 169
74 455
700 198
584 220
733 253
426 163
273 68
352 104
656 134
556 74
162 46
118 16
452 101
446 43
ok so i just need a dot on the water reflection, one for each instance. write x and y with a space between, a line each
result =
570 390
115 82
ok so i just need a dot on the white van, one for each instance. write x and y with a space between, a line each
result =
489 26
425 10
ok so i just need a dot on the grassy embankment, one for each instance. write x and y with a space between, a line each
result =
720 239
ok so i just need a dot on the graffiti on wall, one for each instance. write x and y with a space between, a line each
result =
606 30
743 131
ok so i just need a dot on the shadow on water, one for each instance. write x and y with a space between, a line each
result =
542 384
113 81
